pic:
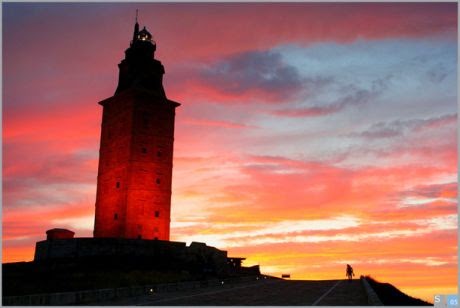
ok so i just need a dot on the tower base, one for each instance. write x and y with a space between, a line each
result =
197 258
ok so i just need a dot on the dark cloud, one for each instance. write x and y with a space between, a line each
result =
388 129
355 97
262 73
434 190
438 74
401 127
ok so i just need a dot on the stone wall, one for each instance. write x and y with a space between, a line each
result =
156 252
133 198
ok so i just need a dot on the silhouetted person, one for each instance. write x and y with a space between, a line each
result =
349 272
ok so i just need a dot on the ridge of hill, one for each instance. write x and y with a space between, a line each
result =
392 296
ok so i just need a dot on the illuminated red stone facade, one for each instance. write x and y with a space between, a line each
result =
133 197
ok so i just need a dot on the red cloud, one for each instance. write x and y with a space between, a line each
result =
220 124
348 22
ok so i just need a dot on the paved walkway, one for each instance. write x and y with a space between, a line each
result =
264 293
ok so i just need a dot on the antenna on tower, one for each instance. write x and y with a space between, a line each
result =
136 29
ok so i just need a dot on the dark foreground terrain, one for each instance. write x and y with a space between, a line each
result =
210 289
25 278
266 292
78 274
391 296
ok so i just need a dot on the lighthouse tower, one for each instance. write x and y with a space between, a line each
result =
133 198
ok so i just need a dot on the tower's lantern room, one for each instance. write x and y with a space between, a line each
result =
145 35
140 69
142 36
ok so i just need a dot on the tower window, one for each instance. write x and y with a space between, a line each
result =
139 236
157 213
146 123
145 120
144 150
158 181
115 216
155 238
159 154
118 185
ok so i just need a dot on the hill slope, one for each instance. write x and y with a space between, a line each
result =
392 296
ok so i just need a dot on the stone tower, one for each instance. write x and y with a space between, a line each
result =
133 198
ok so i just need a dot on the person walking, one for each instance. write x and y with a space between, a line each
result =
349 272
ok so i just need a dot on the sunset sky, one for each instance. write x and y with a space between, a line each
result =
309 136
